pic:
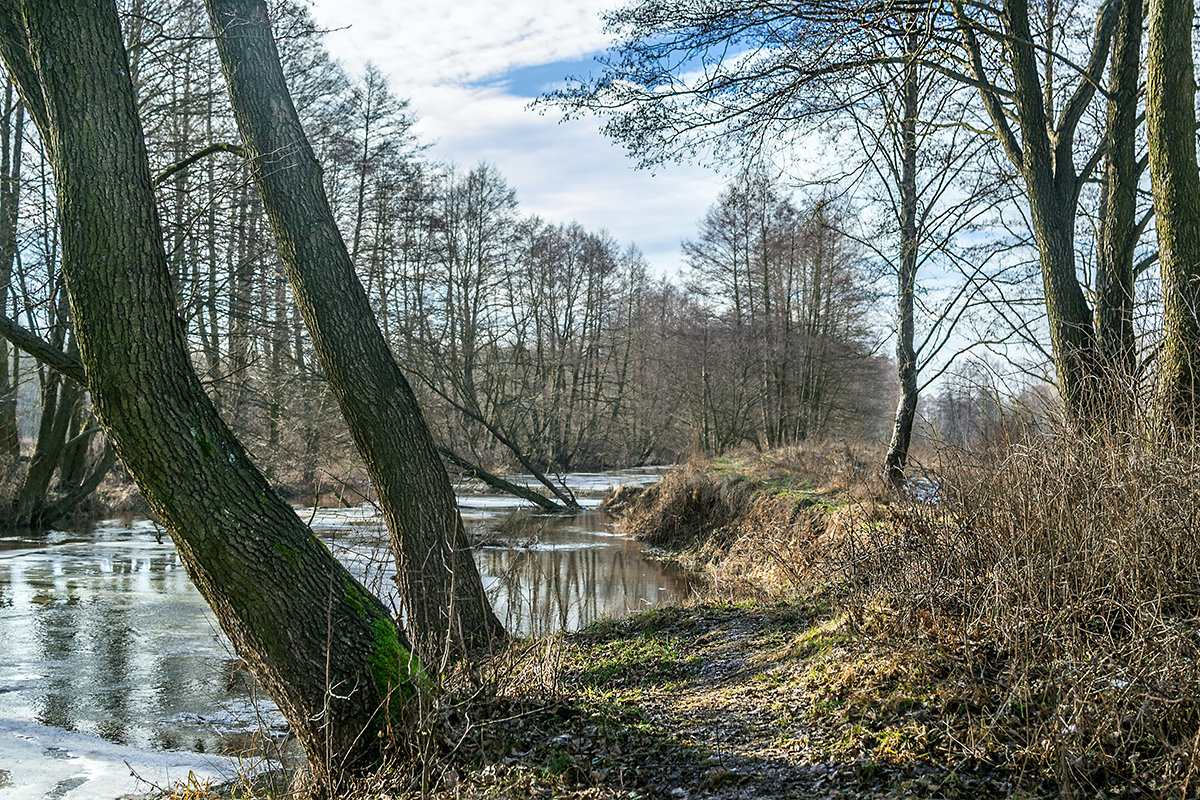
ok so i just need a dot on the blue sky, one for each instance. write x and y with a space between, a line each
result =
535 79
470 69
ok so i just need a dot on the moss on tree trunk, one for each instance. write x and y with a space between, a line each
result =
319 643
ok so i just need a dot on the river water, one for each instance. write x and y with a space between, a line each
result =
114 675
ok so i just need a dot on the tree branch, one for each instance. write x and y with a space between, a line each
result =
63 363
203 152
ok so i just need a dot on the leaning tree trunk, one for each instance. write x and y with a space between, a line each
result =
906 352
1171 134
439 584
324 648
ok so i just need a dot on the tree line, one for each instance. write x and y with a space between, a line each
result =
199 242
220 236
1061 131
532 346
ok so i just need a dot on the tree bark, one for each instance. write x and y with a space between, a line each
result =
439 584
1175 180
1118 226
325 649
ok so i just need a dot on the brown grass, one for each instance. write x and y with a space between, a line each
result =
1056 579
686 507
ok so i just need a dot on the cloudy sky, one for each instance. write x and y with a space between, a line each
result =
470 69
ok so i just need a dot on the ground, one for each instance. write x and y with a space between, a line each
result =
1028 630
723 701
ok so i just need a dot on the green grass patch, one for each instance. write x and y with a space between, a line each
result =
647 658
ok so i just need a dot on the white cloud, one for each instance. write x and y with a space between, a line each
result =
438 55
430 44
569 171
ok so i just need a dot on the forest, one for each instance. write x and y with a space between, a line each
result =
913 425
535 347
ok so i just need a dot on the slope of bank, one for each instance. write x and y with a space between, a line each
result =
1019 622
1022 622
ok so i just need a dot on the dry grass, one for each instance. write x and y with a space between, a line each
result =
1054 581
761 524
687 507
1071 570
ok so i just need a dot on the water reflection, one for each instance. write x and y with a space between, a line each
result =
570 572
110 652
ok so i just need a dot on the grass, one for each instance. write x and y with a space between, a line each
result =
1034 633
1047 609
645 658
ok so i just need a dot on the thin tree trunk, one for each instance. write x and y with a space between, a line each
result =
59 403
67 503
10 163
906 354
472 470
1118 227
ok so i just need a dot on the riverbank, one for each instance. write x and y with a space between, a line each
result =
112 656
1019 623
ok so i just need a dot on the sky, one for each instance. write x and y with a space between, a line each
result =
471 67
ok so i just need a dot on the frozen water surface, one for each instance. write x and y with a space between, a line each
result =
110 655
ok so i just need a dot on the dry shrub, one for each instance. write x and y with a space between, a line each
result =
687 506
1067 570
1054 579
774 549
772 524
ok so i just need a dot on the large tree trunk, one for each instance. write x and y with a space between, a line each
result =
1072 335
1118 227
1171 133
325 649
1044 155
439 584
1046 163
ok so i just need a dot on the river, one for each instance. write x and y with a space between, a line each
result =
114 675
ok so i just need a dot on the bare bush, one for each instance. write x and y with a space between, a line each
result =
1076 561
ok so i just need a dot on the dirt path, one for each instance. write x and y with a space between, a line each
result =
720 702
